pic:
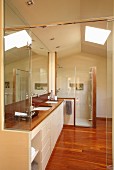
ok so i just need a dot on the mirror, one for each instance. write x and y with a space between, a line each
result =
69 43
17 68
28 60
20 84
39 66
75 59
25 68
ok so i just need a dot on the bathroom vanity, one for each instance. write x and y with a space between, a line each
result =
28 149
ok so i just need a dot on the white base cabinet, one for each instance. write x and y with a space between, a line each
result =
56 125
31 150
48 132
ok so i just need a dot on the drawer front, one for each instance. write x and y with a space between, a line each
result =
46 159
45 149
45 129
45 138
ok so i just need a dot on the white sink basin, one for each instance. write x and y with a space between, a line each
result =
42 108
20 114
51 102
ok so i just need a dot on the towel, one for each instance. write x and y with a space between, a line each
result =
34 165
32 151
68 107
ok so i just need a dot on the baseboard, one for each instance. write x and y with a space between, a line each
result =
103 118
68 125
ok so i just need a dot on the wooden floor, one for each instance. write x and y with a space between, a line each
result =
80 149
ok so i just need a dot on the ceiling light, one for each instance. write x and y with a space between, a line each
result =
18 39
52 38
96 35
30 2
58 47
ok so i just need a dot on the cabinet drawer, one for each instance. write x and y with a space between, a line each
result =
45 138
46 159
45 129
45 149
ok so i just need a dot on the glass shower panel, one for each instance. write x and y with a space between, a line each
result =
84 98
21 84
90 95
77 82
65 82
109 151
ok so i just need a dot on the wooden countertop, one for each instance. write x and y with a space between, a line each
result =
28 125
43 114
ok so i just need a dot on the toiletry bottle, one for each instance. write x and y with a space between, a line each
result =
51 95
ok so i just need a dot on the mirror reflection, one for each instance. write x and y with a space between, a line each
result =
25 68
16 70
75 59
29 59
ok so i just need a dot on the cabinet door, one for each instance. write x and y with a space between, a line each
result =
56 125
53 130
45 144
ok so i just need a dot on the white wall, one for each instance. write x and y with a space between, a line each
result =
39 73
52 72
83 62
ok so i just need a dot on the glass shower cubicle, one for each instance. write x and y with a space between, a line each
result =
80 85
86 77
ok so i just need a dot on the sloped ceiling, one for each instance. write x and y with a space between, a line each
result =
67 39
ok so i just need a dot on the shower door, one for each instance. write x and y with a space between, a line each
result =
86 97
109 115
66 90
92 96
20 85
80 84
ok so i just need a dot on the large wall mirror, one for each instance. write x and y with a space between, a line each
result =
25 65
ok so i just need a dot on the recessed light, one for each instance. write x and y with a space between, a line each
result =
52 38
30 2
41 48
58 47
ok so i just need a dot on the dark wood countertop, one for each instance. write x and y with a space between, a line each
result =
28 125
43 114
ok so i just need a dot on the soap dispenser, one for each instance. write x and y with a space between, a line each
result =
51 95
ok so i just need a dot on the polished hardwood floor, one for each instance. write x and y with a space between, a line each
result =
81 148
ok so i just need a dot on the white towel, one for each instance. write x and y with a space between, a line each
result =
34 165
32 151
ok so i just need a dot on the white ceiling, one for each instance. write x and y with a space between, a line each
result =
69 38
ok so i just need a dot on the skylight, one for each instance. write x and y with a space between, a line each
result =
96 35
18 39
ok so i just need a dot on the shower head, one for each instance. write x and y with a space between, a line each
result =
58 66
